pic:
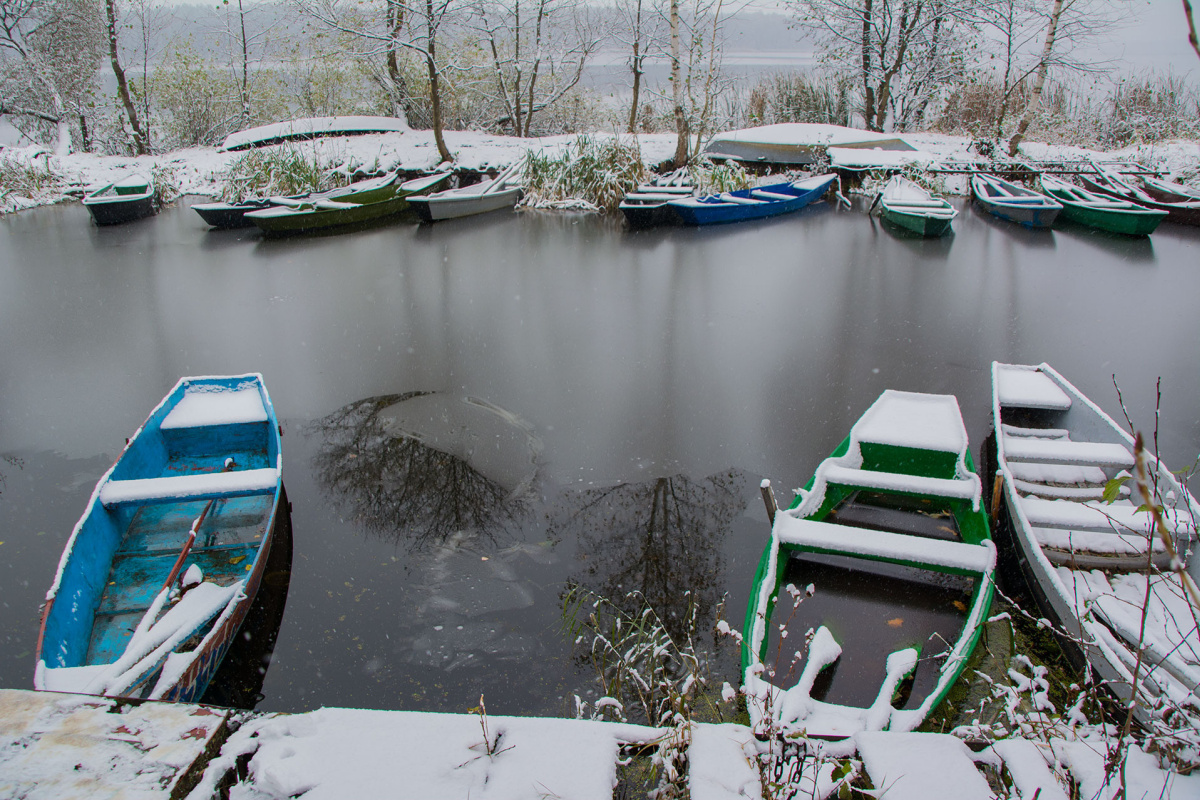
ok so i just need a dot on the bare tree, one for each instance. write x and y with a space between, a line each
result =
141 142
696 50
151 18
1066 25
895 47
48 53
537 52
639 30
413 28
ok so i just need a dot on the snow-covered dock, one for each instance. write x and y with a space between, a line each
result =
69 746
311 128
797 143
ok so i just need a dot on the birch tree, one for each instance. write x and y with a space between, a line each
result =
696 50
1062 29
537 50
900 50
48 55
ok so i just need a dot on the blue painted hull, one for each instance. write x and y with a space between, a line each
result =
207 459
748 204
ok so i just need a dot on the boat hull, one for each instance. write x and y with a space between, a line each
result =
348 208
1013 203
115 210
1186 213
1061 573
230 215
712 210
874 515
1129 223
433 208
920 224
206 460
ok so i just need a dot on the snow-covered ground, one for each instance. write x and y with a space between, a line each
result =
67 746
199 170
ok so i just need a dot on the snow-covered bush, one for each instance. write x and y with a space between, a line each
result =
592 173
26 181
280 170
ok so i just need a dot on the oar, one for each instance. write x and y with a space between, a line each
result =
878 197
187 546
498 182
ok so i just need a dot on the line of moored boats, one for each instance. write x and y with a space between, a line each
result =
1108 201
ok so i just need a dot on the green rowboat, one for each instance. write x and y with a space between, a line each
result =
911 207
382 198
890 539
1100 211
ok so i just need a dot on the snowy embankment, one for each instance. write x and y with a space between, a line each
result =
199 170
67 746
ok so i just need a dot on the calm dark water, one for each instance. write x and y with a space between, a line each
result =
478 412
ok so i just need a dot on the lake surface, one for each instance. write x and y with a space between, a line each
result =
478 412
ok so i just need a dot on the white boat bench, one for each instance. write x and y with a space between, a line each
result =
1096 516
745 201
185 488
765 195
956 488
1065 451
881 545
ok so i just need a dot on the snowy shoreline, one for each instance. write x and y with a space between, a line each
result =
197 171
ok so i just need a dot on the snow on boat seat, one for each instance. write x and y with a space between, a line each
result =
203 407
1103 517
1053 492
1064 451
334 205
960 489
1062 474
882 545
762 194
180 488
1029 388
1062 545
903 204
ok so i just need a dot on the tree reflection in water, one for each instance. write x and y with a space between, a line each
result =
662 538
400 482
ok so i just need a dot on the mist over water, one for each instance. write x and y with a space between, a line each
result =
478 412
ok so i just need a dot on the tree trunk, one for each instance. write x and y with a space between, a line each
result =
1039 82
636 66
682 134
245 68
435 93
398 85
140 145
868 89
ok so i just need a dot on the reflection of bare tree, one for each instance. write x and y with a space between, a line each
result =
662 538
398 487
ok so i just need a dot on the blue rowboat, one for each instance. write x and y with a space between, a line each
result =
164 564
758 203
1014 203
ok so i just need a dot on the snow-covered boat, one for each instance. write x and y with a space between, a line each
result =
1094 564
646 206
1014 203
310 128
1105 181
130 198
1168 192
164 564
796 143
467 201
909 206
891 541
746 204
327 210
1101 211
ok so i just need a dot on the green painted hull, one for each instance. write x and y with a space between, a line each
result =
920 224
1130 223
368 206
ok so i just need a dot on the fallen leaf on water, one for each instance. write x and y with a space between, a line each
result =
895 623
